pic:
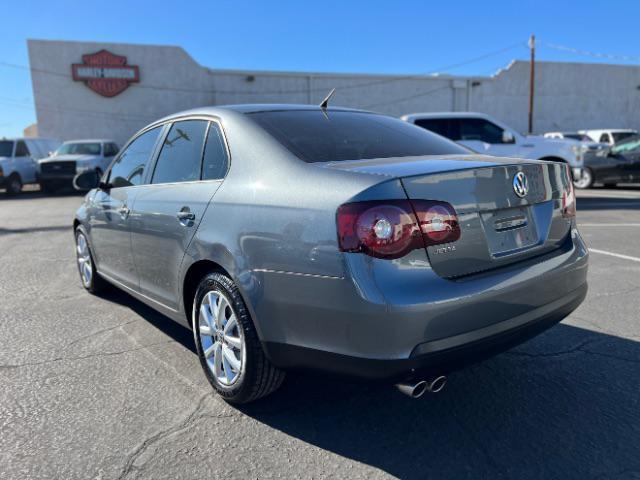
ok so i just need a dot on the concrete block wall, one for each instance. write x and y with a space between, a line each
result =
569 96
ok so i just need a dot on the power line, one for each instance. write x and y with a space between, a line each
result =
587 53
283 92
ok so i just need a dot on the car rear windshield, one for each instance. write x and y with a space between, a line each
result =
79 149
6 149
317 136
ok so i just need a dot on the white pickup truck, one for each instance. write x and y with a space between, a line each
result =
489 136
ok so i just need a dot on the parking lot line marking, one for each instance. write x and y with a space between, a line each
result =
612 254
608 224
630 195
612 205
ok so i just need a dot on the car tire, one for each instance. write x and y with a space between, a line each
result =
14 184
228 345
89 277
585 181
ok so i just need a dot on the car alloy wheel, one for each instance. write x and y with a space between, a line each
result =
227 342
585 180
83 256
221 338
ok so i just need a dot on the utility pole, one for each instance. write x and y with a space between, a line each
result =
532 77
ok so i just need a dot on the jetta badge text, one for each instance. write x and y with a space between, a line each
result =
445 249
520 184
105 73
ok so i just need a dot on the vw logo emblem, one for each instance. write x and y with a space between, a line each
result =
520 184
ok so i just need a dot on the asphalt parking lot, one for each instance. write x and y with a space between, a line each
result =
105 388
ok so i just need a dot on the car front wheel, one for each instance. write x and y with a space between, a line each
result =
227 343
90 279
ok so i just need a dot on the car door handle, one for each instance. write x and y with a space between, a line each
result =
185 215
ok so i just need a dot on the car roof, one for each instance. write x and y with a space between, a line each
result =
221 110
276 107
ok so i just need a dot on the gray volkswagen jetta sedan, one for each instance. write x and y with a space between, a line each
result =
299 237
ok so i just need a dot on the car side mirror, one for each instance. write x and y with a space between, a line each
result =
87 180
507 137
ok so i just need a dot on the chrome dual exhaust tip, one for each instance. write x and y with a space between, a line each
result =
417 389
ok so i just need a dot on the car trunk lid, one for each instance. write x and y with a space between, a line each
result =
497 226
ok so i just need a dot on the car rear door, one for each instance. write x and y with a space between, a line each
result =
613 168
632 166
188 171
109 216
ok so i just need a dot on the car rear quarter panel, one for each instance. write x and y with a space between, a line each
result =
275 216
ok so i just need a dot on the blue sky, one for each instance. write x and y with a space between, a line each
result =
405 37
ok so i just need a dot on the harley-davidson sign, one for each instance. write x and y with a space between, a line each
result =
105 73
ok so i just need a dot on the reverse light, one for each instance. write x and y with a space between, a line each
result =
438 222
392 228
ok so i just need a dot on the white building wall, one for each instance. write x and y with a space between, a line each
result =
569 96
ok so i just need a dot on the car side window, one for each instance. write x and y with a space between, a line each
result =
604 138
480 129
129 168
22 150
436 125
181 154
215 163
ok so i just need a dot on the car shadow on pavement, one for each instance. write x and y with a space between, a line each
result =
563 405
45 228
37 194
177 332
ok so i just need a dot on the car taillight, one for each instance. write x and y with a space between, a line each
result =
568 197
392 228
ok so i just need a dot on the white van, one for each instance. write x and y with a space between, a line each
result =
19 160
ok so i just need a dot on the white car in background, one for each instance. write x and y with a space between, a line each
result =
19 161
489 136
590 147
610 136
75 156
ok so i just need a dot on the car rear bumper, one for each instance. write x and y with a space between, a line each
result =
386 318
435 357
